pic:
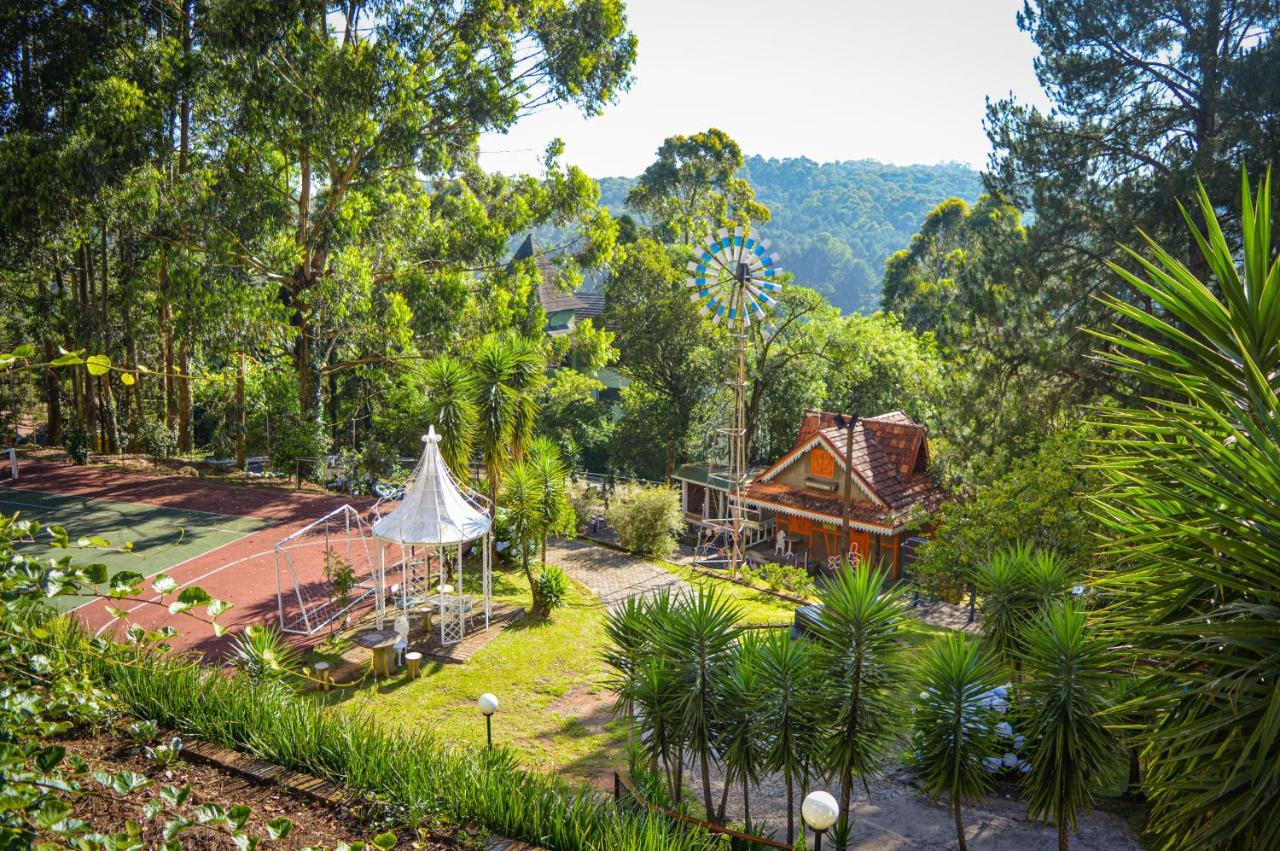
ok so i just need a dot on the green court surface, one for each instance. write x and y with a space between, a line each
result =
161 537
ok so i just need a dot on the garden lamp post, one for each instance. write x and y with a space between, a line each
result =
488 703
819 811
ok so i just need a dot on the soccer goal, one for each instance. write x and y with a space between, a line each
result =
324 571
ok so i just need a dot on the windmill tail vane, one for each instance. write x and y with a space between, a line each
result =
735 276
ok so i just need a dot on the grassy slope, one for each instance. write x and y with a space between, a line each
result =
547 675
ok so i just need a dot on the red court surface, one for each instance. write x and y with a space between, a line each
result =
242 572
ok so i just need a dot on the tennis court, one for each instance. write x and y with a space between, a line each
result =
218 536
161 537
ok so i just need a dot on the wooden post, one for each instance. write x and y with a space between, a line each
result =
413 662
847 499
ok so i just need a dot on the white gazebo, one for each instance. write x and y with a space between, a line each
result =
437 513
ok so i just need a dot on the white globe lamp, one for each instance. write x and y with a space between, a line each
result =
820 812
488 703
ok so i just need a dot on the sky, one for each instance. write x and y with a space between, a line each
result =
901 81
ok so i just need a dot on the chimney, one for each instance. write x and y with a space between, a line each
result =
809 425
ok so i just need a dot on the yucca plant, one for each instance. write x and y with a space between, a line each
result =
1068 667
861 656
263 653
744 731
955 723
552 477
1001 582
788 670
1194 473
522 499
698 641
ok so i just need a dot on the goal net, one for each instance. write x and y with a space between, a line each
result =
324 571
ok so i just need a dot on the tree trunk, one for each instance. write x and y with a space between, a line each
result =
110 422
185 436
955 807
1133 789
240 412
1062 833
746 803
166 333
791 809
52 384
89 406
846 794
706 780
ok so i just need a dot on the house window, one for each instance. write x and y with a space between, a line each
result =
821 464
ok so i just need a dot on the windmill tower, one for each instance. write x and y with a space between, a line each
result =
734 278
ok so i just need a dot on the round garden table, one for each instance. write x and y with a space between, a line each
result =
382 642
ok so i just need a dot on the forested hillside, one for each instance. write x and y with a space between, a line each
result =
836 223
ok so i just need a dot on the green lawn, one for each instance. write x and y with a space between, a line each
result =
548 676
160 537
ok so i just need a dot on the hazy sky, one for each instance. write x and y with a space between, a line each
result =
901 81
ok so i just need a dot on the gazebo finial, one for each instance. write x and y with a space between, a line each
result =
431 436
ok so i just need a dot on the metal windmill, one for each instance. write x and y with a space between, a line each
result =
735 278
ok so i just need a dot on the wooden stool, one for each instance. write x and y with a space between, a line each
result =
413 661
322 674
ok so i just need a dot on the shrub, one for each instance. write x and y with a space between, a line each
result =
156 439
783 577
553 587
298 438
76 442
647 520
586 502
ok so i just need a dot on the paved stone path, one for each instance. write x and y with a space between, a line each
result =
610 575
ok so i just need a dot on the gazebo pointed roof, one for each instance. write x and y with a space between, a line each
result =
434 510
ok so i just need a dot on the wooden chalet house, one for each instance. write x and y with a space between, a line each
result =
795 505
565 310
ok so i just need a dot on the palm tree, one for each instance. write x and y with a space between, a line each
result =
451 408
860 653
744 732
954 723
787 668
557 512
505 372
1069 748
522 498
698 639
1194 472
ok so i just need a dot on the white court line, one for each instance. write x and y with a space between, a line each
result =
199 579
158 597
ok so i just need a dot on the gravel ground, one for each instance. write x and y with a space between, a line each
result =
896 816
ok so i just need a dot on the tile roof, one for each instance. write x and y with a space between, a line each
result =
592 304
889 454
553 298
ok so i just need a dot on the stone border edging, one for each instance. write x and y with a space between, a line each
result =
306 785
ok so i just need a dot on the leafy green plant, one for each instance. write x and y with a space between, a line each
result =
553 587
1193 471
789 671
341 576
860 654
76 442
954 723
1063 699
263 653
647 519
697 645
